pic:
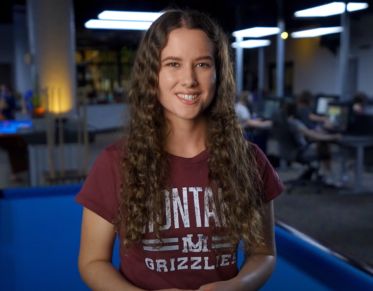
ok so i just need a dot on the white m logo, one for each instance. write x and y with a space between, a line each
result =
198 247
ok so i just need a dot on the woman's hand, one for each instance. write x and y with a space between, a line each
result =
229 285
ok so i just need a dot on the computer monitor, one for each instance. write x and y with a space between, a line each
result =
360 124
322 102
338 115
369 108
270 106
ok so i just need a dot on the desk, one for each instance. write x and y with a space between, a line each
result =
67 161
14 144
39 244
359 143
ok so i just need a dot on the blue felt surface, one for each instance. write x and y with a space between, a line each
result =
13 126
39 243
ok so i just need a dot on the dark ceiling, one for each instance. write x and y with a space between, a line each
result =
231 14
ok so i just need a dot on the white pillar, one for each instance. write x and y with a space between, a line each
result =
22 70
280 67
344 53
52 45
239 66
261 72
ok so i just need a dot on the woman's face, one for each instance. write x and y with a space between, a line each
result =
187 76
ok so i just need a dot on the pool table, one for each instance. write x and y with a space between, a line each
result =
39 241
14 126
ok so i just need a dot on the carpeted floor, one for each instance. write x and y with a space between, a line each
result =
336 219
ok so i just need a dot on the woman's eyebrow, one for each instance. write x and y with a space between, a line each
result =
171 58
210 58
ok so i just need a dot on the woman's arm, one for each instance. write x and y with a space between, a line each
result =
258 123
95 267
317 118
258 266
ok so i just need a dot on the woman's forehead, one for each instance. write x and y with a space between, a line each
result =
185 41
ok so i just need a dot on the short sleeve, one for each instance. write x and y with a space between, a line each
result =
272 185
100 190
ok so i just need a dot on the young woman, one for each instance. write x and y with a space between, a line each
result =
184 187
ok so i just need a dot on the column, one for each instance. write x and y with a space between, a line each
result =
239 66
344 53
280 67
22 73
52 46
261 72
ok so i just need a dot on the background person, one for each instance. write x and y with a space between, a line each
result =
359 102
308 136
254 129
304 112
245 117
8 104
15 146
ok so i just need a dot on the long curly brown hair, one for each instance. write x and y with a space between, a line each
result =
232 164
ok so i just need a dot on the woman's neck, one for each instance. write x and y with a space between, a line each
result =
187 139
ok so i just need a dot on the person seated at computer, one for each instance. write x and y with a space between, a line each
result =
312 141
254 129
244 115
358 103
8 104
305 113
14 145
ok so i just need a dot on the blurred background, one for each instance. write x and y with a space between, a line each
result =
64 85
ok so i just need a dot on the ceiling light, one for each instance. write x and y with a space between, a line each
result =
284 35
129 15
316 32
332 8
256 32
113 24
355 6
251 43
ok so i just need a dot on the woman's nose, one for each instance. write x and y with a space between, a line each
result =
189 78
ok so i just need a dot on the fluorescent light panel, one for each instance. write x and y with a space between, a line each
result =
332 8
114 24
251 43
316 32
129 15
355 6
258 31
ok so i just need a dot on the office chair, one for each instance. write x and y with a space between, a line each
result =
291 151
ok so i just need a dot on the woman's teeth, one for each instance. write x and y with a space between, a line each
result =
187 97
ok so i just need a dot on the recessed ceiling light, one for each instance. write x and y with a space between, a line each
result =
129 15
251 43
114 24
333 8
258 31
316 32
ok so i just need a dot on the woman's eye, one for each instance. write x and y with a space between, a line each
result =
173 64
203 65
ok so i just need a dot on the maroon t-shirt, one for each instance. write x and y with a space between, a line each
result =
192 254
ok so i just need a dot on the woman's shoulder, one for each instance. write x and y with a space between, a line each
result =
272 185
109 160
116 149
254 148
260 157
